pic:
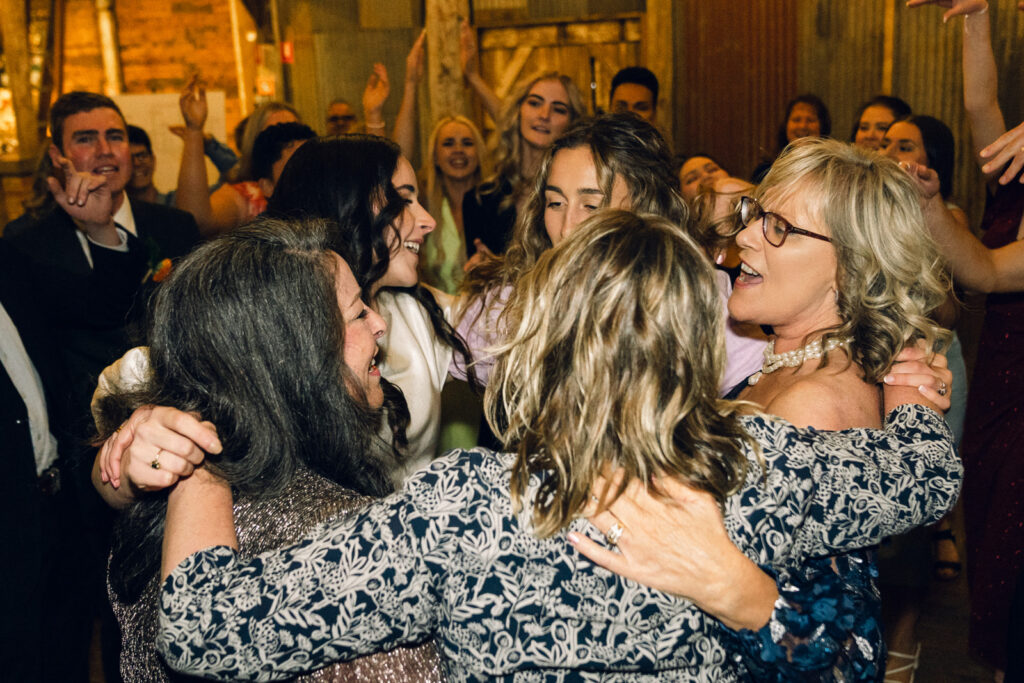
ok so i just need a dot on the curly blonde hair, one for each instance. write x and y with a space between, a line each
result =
890 275
507 154
613 355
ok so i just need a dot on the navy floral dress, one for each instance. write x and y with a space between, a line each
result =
448 558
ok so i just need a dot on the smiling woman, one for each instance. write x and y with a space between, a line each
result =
532 118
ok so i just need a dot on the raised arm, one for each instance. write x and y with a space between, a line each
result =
469 55
374 96
225 208
405 124
979 68
973 265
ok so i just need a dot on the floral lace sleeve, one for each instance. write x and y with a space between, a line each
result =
848 489
826 625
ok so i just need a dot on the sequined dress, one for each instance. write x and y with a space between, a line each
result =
991 449
264 525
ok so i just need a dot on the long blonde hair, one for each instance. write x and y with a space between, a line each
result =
508 155
433 182
890 275
614 354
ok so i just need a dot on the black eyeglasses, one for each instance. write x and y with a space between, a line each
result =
774 226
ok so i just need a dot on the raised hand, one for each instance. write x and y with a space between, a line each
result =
417 57
1007 149
956 7
85 197
469 55
377 90
193 103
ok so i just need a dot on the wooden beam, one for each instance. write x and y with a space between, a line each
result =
444 72
658 54
14 31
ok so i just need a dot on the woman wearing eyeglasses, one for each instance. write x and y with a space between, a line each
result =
836 260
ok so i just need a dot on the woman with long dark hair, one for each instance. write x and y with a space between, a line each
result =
368 191
296 438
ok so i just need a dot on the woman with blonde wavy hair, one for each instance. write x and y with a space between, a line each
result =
844 293
532 117
604 367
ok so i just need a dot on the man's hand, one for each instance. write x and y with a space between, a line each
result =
377 90
86 198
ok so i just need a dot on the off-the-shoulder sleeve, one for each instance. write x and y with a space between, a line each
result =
826 625
366 582
476 325
824 493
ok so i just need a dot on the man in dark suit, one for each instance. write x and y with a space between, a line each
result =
94 228
44 635
92 262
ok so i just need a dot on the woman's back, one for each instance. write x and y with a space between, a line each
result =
264 524
449 556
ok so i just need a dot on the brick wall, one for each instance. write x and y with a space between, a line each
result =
162 43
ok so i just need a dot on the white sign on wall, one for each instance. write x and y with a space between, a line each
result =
155 113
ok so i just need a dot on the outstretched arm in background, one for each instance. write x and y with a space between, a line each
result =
469 55
405 124
374 96
225 208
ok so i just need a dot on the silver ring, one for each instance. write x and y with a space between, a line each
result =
942 389
614 534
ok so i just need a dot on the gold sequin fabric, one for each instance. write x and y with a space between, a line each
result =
266 524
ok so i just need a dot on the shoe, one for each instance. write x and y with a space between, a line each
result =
910 665
945 570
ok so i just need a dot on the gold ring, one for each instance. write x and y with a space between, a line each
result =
614 534
156 461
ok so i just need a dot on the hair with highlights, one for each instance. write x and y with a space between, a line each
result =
434 185
622 146
613 356
890 276
255 124
508 154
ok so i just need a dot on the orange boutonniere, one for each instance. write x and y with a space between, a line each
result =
163 269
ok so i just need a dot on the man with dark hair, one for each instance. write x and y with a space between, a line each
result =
140 186
272 150
635 89
84 262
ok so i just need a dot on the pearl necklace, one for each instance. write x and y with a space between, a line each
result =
795 358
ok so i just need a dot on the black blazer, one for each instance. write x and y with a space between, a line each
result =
96 312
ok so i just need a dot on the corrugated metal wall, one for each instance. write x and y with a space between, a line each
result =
736 70
842 50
